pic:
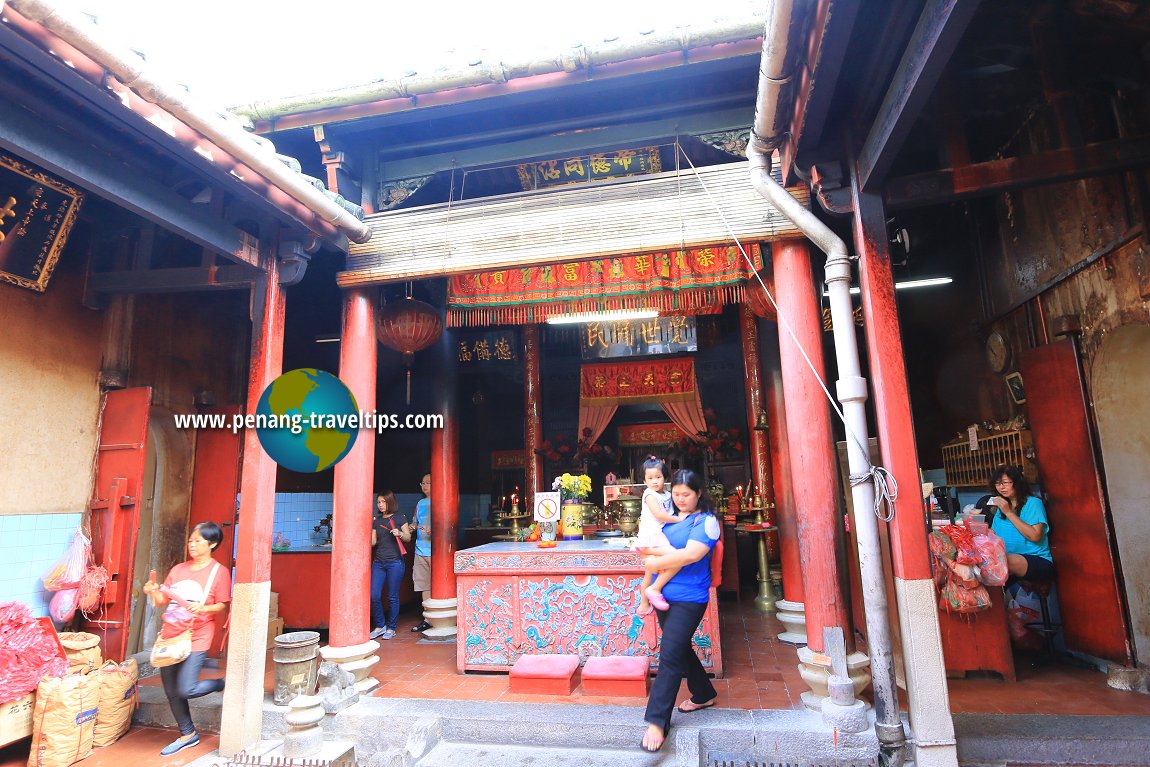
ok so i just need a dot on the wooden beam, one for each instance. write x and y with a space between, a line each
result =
935 37
38 141
178 280
567 144
998 176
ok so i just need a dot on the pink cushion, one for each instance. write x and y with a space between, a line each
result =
617 667
546 666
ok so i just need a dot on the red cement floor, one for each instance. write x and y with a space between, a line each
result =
760 673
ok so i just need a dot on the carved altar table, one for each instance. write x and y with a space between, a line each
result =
578 598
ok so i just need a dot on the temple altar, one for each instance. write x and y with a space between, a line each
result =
578 598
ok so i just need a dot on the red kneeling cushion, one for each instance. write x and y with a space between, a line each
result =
617 676
544 674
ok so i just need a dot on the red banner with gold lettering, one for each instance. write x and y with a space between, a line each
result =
694 281
648 434
621 383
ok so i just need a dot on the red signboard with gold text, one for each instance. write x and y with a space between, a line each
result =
606 383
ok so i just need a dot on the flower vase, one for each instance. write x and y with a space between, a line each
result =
571 514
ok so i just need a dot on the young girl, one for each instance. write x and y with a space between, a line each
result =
650 540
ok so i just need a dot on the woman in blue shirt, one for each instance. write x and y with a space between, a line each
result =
1022 524
687 594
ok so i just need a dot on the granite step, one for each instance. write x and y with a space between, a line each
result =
448 754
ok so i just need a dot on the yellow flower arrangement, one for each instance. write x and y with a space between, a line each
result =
572 487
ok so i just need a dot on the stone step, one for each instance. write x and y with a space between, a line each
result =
448 754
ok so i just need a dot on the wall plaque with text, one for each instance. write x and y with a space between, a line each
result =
37 212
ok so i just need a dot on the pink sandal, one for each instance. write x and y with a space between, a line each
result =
644 613
656 599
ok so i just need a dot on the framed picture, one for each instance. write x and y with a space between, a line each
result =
37 212
1017 391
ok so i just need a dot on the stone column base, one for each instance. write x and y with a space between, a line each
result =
815 669
441 614
792 615
358 660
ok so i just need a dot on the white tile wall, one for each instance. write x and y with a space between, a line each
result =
30 544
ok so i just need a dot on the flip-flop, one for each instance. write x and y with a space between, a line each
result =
694 706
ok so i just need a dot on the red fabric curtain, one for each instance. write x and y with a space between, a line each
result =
687 414
595 418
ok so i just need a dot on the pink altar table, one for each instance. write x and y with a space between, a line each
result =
578 598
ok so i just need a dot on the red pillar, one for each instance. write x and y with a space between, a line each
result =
813 470
445 478
788 523
532 415
354 480
251 592
757 440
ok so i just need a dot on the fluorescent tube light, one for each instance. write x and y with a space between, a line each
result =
927 283
632 314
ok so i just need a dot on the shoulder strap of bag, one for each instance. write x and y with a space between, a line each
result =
211 579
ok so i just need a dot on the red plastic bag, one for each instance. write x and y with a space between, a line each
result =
70 568
991 550
29 650
63 605
1020 634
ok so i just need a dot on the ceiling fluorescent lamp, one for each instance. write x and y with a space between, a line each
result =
927 283
571 319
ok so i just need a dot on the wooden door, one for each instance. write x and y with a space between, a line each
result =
115 509
1080 530
215 483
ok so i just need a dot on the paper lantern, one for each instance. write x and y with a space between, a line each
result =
408 326
756 299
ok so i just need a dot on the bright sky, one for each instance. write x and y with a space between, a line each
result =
251 50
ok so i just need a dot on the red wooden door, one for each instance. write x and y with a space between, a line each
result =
115 509
215 482
1080 534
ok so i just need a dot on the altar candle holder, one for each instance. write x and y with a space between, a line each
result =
765 601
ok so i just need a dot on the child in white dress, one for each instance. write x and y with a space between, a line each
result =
650 538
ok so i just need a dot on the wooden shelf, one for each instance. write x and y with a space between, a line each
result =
971 468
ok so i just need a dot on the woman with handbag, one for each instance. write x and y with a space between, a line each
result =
195 593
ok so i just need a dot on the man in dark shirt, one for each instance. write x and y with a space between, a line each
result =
390 532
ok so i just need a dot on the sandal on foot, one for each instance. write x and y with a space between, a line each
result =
656 599
644 613
689 706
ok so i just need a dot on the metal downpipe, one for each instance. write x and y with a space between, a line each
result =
851 388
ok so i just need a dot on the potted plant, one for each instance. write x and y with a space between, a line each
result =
573 491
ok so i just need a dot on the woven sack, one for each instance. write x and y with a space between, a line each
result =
83 651
118 699
63 720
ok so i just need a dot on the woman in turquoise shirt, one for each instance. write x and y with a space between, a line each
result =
1022 524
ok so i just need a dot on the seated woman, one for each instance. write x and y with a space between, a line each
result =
1019 518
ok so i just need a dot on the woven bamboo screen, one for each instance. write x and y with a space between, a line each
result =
635 215
971 468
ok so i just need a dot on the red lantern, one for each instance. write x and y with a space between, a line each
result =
408 326
756 298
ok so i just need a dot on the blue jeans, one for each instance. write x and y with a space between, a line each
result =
677 659
386 575
181 682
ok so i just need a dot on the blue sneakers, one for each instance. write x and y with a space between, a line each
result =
179 744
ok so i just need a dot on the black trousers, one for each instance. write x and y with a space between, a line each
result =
677 659
181 682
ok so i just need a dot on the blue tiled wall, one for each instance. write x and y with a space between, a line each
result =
30 544
297 514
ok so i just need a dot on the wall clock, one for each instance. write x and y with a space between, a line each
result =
998 353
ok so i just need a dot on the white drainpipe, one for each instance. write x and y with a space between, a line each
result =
851 387
77 30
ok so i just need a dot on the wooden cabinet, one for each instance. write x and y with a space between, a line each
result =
971 468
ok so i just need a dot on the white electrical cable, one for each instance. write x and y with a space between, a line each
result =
886 486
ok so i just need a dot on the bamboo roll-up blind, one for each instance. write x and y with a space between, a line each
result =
635 215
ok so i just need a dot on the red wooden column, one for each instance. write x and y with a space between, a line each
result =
532 414
790 608
439 608
928 698
757 440
813 469
242 716
350 611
